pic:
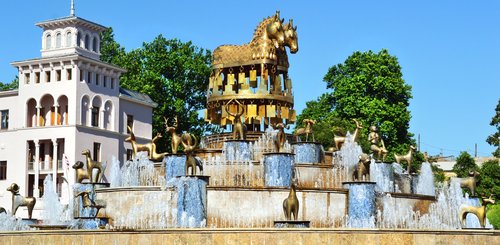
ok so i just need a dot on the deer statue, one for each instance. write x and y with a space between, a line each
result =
91 164
377 144
408 157
18 200
139 147
480 212
279 141
307 130
362 170
239 128
291 203
339 140
189 147
176 139
156 157
469 182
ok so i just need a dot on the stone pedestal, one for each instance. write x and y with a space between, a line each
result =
361 204
191 200
383 174
291 224
404 182
307 152
237 150
278 169
175 165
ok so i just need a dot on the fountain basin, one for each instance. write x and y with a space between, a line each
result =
361 204
278 169
308 152
237 150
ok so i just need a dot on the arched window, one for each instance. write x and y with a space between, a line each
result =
78 39
69 36
48 42
87 42
94 44
58 40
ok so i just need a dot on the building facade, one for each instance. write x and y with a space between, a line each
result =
67 101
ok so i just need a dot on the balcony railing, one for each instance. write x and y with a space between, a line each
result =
45 166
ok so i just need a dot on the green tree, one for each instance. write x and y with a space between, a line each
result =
173 73
489 179
494 138
465 163
14 84
370 87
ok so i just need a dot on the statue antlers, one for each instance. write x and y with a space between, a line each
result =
239 128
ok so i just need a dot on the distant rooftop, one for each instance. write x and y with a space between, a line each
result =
134 95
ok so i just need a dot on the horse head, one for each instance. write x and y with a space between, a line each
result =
275 32
291 38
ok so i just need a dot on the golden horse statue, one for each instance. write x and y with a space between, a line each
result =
480 212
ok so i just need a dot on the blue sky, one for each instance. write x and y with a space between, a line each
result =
449 50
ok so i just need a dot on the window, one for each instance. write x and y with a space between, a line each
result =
97 79
3 170
87 42
48 42
68 39
129 154
95 117
78 39
112 84
58 40
58 75
4 116
69 74
37 77
89 75
81 75
97 151
105 81
26 78
94 44
47 76
130 123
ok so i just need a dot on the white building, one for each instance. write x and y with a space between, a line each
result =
68 100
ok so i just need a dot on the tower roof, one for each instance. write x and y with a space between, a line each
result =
70 20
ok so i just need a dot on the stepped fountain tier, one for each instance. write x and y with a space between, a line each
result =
308 152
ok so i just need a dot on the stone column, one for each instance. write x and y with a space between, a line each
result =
89 116
101 118
54 163
36 192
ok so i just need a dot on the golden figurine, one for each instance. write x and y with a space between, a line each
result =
470 182
150 147
176 139
80 172
87 202
91 164
339 140
307 130
20 201
377 144
291 204
154 156
408 157
362 170
239 129
189 147
480 212
279 141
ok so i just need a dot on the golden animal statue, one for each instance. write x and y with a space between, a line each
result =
279 141
268 37
138 147
91 164
377 144
81 173
191 160
340 140
408 157
291 41
239 128
88 202
156 157
307 130
291 203
18 200
362 170
176 139
2 210
469 182
480 212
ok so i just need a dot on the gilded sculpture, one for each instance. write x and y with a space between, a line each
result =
308 129
279 141
176 139
80 172
20 201
362 170
239 128
339 140
377 144
480 212
150 147
470 182
291 203
189 141
408 157
91 165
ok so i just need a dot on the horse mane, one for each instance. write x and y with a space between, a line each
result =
260 29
